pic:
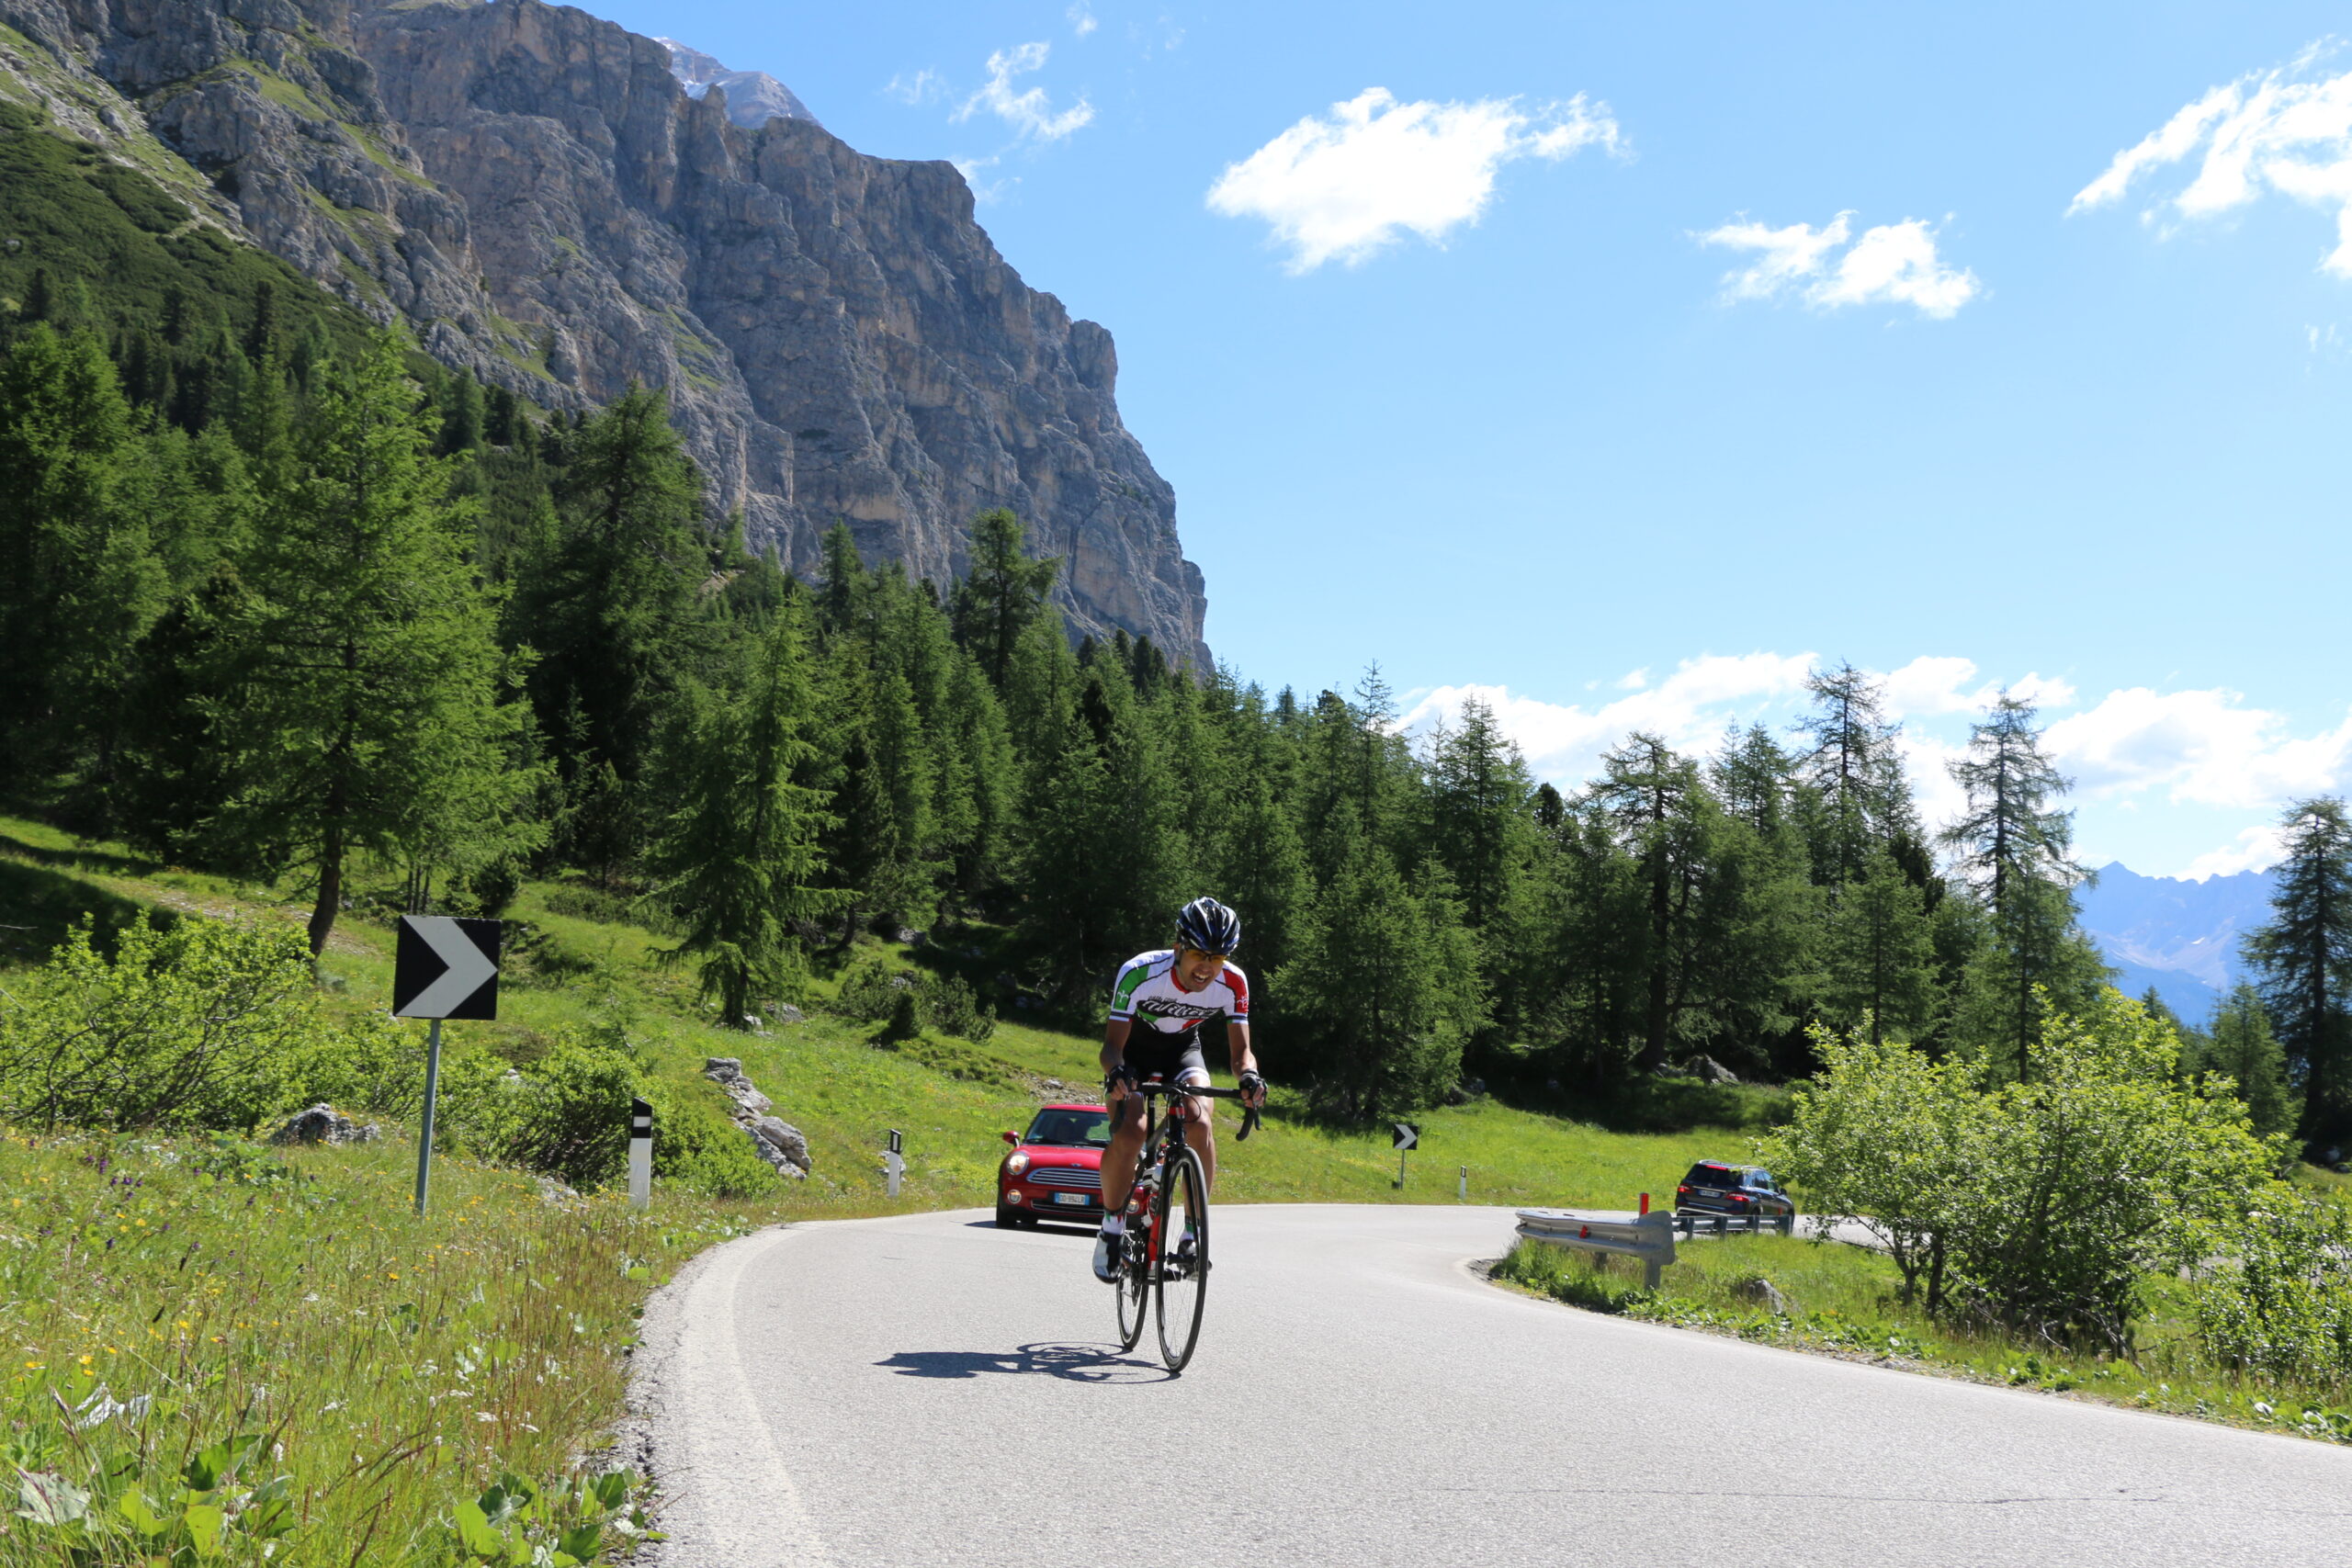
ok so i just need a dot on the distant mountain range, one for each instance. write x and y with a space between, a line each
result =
2180 936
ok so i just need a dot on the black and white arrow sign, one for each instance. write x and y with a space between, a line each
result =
1407 1135
445 967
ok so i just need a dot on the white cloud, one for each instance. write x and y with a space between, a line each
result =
2202 747
1029 112
2255 848
1690 708
1081 18
1932 686
1892 264
922 87
1341 187
2288 130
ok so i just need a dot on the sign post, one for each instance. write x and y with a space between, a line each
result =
442 967
894 1160
640 1154
1407 1136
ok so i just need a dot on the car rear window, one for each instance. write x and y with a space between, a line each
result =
1712 1176
1075 1128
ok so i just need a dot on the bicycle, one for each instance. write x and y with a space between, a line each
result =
1170 1198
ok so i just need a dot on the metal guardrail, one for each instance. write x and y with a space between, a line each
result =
1693 1223
1649 1238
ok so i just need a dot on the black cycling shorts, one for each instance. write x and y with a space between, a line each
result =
1169 1055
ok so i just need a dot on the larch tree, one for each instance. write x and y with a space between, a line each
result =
739 856
361 689
2015 848
2303 958
1002 594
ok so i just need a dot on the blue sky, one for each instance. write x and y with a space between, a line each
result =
1616 362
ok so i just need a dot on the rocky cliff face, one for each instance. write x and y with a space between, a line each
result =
753 97
545 203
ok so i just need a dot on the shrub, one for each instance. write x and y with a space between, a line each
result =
2284 1307
703 1151
567 1117
2049 1201
873 990
870 990
208 1025
950 1006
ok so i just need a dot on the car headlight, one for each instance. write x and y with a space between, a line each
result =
1015 1163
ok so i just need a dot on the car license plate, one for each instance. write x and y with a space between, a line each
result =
1079 1199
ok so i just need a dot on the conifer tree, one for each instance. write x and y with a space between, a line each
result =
1653 799
360 684
1384 991
1477 797
1855 779
79 580
2238 1043
1003 593
738 855
2015 850
2303 960
607 598
1881 972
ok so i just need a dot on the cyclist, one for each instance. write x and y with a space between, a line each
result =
1170 993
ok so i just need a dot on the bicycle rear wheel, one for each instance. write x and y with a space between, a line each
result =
1134 1278
1184 1272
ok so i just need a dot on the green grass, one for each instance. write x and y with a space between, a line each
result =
392 1367
1843 1300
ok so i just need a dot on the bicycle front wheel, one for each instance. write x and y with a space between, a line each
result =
1135 1280
1183 1274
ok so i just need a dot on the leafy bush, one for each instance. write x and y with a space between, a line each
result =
2048 1201
566 1117
874 990
870 990
950 1006
207 1025
701 1150
2284 1307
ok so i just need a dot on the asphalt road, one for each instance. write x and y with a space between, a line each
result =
931 1390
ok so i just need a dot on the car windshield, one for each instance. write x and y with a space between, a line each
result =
1088 1129
1712 1176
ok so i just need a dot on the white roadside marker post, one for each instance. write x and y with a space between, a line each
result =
894 1160
640 1154
1462 1193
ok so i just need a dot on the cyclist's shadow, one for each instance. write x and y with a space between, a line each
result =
1078 1363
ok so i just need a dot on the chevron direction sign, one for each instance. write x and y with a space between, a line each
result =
1407 1135
445 967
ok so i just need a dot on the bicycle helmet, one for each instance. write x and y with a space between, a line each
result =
1206 926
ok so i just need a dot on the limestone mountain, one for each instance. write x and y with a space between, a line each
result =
753 97
548 205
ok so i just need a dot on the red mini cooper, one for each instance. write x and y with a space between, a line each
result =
1055 1170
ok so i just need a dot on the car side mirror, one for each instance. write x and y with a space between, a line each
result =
1013 1138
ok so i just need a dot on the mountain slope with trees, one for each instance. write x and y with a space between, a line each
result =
541 205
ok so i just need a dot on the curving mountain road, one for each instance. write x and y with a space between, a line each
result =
930 1390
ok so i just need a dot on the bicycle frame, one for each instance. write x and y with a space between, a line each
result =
1163 1136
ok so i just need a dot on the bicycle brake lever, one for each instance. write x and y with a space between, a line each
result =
1249 1119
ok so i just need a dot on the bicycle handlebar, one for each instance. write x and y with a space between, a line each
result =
1250 1117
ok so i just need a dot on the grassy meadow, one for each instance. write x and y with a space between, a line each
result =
1843 1300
